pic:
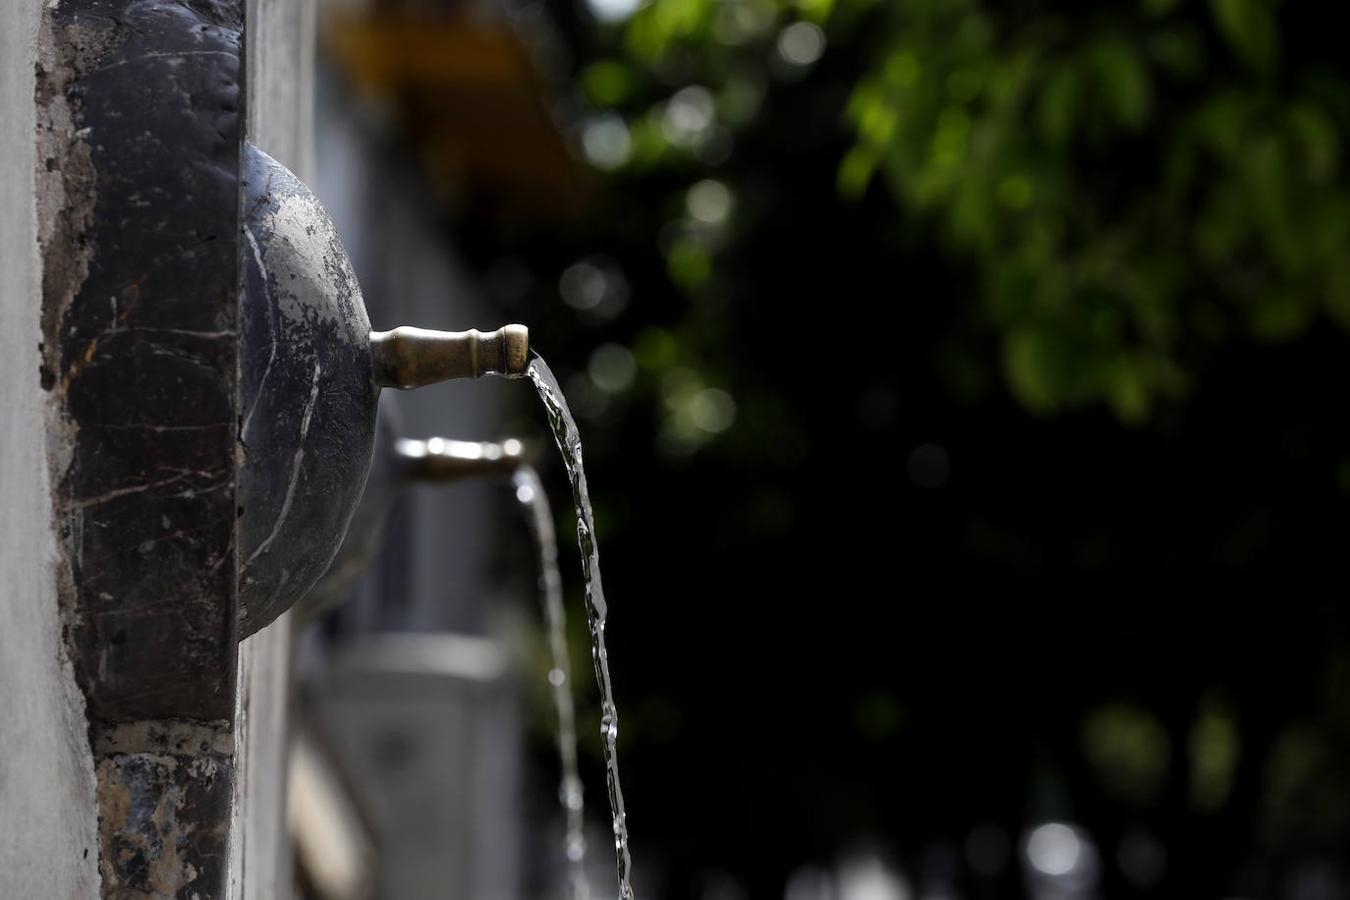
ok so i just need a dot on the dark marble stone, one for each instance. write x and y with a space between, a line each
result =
143 359
308 389
140 132
164 791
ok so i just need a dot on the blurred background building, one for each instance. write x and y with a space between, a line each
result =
427 116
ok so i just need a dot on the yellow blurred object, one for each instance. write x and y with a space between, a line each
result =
468 98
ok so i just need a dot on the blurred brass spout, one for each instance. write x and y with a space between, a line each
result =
399 464
408 357
438 459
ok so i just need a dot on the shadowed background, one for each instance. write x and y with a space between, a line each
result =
962 395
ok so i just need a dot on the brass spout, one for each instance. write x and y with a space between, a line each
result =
407 357
438 459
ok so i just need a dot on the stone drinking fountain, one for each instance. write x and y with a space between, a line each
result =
311 372
397 464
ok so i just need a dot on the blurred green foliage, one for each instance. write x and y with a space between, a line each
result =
1128 749
1130 187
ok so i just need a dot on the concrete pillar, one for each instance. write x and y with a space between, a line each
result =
48 840
280 40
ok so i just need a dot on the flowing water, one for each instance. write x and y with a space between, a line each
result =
530 493
569 444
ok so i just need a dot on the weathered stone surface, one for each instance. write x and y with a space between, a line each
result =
48 828
163 795
279 116
140 308
308 394
138 143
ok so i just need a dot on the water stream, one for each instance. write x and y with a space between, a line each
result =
569 445
530 493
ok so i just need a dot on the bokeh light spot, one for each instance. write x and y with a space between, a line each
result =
801 43
929 466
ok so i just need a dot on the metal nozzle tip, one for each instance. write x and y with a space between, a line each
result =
407 357
515 350
440 459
